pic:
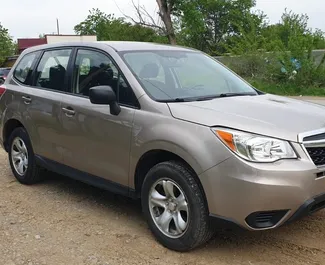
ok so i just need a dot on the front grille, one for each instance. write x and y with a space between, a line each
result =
316 137
317 155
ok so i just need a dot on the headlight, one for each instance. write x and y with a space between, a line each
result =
254 147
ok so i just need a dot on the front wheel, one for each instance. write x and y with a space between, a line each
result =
174 206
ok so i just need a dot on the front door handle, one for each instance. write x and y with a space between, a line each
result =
27 100
69 111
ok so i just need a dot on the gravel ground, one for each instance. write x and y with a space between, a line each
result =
64 222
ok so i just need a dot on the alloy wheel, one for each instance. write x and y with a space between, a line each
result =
169 208
19 156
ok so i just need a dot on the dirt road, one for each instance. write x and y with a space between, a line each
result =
64 222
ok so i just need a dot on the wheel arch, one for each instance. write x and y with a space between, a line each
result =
8 128
153 157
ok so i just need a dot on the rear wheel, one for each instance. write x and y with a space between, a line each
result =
175 207
21 158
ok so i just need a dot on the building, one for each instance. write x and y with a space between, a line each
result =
69 38
49 39
23 44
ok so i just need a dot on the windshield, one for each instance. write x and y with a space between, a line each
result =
176 75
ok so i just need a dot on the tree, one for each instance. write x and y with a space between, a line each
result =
96 23
166 12
7 47
107 27
290 34
294 26
248 38
202 24
207 24
319 39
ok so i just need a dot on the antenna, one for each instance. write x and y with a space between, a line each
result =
57 26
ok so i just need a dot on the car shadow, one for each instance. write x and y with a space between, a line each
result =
86 193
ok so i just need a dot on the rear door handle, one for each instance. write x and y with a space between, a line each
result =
27 100
68 111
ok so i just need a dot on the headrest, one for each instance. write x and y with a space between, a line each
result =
56 70
150 70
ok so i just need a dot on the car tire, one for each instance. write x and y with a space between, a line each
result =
22 159
188 222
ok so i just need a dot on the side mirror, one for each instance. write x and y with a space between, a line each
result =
104 95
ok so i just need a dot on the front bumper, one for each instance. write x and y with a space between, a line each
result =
239 191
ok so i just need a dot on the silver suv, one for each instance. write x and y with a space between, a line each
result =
169 125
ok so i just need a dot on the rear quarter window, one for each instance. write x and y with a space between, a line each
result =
24 68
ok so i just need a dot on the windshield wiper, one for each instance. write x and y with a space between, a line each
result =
173 100
189 99
223 95
206 98
226 95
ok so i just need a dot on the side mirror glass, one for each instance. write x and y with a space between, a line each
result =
104 95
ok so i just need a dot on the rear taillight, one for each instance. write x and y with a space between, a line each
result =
2 89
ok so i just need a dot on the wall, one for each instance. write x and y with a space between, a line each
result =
69 38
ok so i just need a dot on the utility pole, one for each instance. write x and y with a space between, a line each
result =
57 26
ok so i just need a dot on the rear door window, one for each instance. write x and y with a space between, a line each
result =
24 69
52 69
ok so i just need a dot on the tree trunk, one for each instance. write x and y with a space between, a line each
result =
165 15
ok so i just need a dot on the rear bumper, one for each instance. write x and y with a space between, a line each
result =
263 196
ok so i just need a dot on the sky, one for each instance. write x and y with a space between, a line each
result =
28 19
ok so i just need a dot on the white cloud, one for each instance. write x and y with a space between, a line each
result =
31 18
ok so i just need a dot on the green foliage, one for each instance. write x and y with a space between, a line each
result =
299 42
107 27
7 47
293 26
207 24
249 38
280 57
291 34
319 39
287 89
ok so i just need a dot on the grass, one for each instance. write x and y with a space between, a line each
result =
287 89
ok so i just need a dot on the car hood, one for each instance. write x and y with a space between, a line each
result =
268 115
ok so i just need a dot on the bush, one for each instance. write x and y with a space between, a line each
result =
290 66
280 72
286 89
